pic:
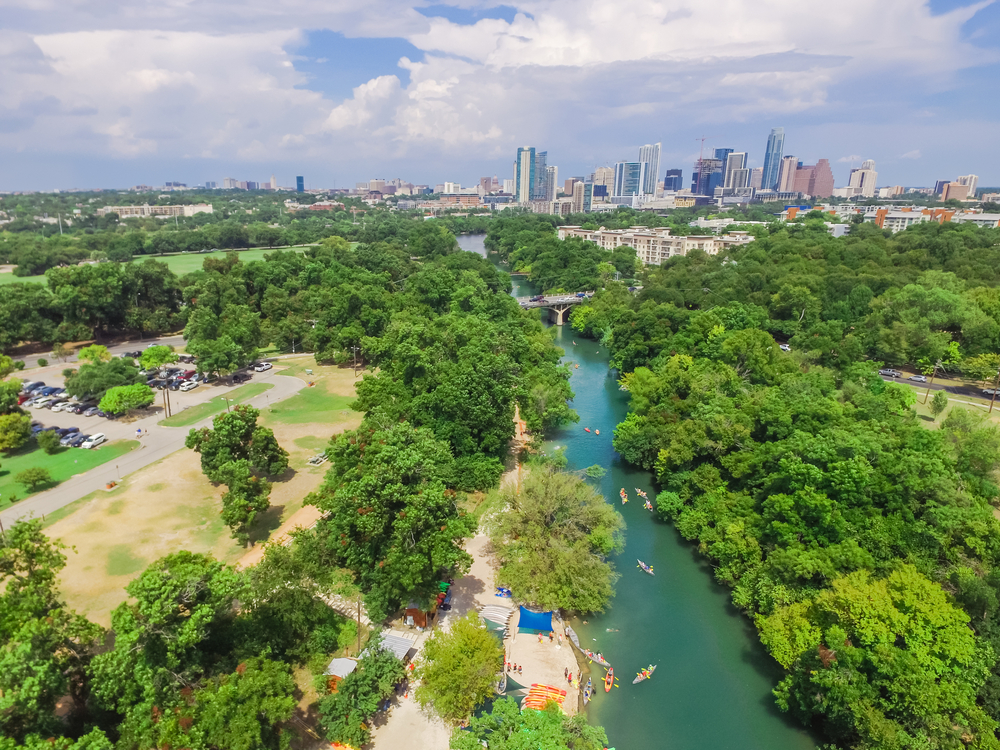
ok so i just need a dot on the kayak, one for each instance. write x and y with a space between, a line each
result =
597 432
609 679
586 429
649 505
646 568
644 674
596 658
588 691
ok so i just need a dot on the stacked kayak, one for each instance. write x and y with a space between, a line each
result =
539 695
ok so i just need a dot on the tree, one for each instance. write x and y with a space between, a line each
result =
15 430
244 710
246 498
507 727
939 403
459 669
124 398
95 379
48 441
34 478
44 647
42 362
222 356
235 436
60 351
345 714
154 357
552 538
94 354
391 519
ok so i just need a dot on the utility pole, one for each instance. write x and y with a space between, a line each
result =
933 373
60 224
996 384
359 624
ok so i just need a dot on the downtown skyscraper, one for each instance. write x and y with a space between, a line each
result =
650 154
772 158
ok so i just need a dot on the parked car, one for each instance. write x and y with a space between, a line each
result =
94 440
176 383
989 391
890 373
68 438
43 401
917 378
188 374
91 412
784 347
48 390
76 440
81 407
22 397
60 405
189 385
262 367
158 384
64 431
29 387
581 295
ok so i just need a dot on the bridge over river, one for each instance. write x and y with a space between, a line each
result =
557 305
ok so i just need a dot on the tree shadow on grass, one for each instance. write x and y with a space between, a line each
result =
266 523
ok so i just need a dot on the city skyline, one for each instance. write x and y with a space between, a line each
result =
195 93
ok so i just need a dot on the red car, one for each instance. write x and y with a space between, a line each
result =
187 375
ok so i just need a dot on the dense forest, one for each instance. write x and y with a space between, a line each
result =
863 545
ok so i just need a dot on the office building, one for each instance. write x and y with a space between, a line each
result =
157 212
772 158
736 162
722 154
508 187
230 183
209 184
300 184
551 183
939 186
524 174
955 191
569 183
630 179
274 183
674 180
538 188
756 177
786 174
706 177
971 181
650 155
605 176
583 194
815 180
863 180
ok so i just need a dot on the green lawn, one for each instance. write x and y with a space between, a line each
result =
62 465
216 405
9 278
312 405
188 262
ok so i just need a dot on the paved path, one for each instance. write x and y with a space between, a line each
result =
159 443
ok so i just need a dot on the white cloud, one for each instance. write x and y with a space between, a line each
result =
106 79
914 154
849 159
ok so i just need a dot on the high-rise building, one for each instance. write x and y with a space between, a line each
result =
772 158
524 174
955 191
722 154
604 176
274 183
508 186
582 197
650 155
551 183
538 188
756 177
300 184
210 185
971 181
706 177
863 180
569 183
736 161
674 180
630 178
815 180
939 186
230 183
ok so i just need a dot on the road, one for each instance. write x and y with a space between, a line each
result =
969 391
135 345
553 299
159 443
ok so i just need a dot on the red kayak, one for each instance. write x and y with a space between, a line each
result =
586 429
609 679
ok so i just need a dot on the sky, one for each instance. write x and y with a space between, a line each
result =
103 93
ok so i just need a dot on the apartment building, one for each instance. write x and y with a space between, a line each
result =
653 246
159 212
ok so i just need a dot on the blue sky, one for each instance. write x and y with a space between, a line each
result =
104 95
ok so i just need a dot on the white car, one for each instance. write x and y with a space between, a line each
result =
784 347
61 405
43 402
189 385
262 367
94 440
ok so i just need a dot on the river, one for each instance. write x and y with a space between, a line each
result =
712 687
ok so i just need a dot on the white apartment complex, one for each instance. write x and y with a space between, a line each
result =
653 246
159 212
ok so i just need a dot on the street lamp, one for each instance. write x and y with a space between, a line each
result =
227 400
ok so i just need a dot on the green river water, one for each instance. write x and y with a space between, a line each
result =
712 687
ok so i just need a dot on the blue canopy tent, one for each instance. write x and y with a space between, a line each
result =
539 622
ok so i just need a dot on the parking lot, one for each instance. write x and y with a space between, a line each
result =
117 429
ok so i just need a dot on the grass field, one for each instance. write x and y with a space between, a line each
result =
9 278
327 401
62 465
216 405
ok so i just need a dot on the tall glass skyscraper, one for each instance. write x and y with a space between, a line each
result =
524 174
650 154
630 176
772 159
673 180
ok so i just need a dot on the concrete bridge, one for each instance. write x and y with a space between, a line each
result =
557 305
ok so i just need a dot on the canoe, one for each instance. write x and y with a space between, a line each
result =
588 691
586 429
609 679
645 568
596 658
644 674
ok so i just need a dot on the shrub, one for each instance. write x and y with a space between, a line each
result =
33 478
48 441
42 361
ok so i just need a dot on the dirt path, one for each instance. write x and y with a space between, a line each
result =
304 518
